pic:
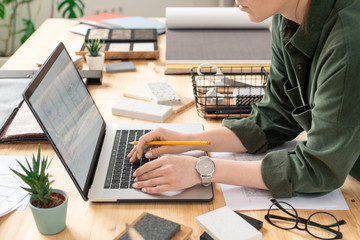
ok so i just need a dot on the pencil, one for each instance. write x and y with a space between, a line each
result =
175 143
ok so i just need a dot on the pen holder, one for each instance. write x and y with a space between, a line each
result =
227 91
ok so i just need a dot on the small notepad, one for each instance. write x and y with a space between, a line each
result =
224 224
142 110
120 67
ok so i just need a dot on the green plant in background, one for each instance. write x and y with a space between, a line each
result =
67 8
2 10
28 29
94 46
72 5
38 181
12 24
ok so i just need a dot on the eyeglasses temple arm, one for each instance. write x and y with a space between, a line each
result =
283 209
302 220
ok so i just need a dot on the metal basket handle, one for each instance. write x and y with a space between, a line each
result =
218 71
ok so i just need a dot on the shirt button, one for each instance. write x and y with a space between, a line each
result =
300 66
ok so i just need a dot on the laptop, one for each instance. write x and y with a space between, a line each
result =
93 153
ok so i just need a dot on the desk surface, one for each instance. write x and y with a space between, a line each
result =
87 220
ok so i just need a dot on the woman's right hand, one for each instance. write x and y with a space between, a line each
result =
159 134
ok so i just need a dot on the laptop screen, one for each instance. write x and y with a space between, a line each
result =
67 113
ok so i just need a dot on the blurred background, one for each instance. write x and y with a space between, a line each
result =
20 18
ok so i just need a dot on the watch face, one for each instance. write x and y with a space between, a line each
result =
206 167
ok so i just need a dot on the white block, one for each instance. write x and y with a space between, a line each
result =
162 93
138 92
142 110
224 224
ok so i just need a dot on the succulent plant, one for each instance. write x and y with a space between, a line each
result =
35 177
93 46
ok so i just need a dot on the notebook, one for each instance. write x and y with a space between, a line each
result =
84 143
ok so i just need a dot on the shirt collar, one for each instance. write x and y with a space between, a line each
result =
306 39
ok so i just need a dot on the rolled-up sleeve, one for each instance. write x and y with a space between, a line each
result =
251 135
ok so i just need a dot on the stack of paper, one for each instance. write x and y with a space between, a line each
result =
93 21
23 127
101 17
137 23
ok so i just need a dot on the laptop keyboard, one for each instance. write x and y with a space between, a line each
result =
119 174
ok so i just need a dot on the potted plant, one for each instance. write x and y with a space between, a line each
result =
47 205
95 58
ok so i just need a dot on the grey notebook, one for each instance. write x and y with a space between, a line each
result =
120 67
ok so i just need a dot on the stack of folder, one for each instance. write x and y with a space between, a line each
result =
17 123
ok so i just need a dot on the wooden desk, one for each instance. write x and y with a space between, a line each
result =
87 220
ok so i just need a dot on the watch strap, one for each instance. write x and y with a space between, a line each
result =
205 180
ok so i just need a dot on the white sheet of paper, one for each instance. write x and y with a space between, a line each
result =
80 29
244 198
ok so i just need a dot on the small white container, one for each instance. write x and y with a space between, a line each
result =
95 63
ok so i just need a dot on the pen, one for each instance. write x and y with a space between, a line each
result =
175 143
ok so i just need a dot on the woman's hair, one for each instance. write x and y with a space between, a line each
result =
303 24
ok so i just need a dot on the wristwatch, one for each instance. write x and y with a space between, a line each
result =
205 167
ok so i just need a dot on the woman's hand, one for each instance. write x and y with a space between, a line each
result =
159 134
167 173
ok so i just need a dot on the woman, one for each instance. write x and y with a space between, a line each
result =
314 86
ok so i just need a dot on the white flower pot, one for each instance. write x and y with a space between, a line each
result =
95 63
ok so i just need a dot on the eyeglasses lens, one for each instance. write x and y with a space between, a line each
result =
285 219
323 225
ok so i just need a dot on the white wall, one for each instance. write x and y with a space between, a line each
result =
149 8
41 9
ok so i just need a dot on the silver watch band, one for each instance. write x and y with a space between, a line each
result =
206 180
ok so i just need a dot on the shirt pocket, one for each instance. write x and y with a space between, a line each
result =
302 116
293 94
301 112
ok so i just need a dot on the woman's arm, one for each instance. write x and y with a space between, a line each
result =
221 140
174 172
240 173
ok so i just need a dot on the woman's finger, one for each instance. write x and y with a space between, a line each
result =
157 189
147 167
153 182
158 172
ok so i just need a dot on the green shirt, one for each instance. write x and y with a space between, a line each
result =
314 86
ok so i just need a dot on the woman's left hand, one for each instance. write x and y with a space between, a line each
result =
167 173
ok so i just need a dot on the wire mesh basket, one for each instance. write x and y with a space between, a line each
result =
227 91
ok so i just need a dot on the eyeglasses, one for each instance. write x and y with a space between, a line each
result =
321 225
